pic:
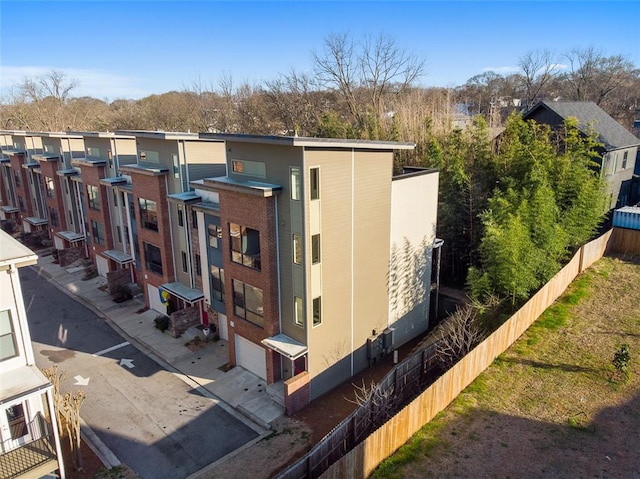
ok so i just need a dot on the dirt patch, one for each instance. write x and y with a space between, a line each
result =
549 407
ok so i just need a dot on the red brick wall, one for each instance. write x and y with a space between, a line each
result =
91 175
296 393
22 191
257 213
154 188
48 169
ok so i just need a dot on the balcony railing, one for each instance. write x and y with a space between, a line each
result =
31 459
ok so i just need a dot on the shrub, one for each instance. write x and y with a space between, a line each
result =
162 322
122 293
621 360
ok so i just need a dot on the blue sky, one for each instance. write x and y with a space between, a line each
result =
129 49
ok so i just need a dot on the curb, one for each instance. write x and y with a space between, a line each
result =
99 448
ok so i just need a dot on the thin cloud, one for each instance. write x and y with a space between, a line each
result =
95 83
502 70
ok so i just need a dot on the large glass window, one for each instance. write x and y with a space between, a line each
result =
148 214
215 236
8 346
153 259
314 183
297 249
97 230
247 302
298 305
295 183
317 311
217 283
48 183
315 249
245 245
93 197
53 217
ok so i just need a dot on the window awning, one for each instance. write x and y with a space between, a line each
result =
70 236
9 209
36 221
118 256
183 292
283 344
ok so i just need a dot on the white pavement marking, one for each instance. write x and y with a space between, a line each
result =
127 362
80 381
112 348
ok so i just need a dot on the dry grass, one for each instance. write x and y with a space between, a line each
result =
552 405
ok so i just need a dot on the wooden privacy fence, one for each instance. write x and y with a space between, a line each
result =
345 453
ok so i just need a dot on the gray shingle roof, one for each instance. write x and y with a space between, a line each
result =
610 132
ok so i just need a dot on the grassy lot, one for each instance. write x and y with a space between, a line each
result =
553 405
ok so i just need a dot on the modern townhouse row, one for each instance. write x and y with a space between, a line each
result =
307 255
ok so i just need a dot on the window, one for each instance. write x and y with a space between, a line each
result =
93 197
23 208
180 217
237 166
153 259
176 166
295 183
317 311
298 307
245 246
8 346
247 302
217 283
119 233
297 249
53 216
624 159
16 176
198 266
185 266
48 184
215 236
148 214
93 152
314 181
97 231
315 249
194 219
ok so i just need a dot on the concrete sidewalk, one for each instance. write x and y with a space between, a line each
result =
201 366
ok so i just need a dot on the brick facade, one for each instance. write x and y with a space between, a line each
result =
118 278
257 213
154 188
91 176
69 256
183 319
48 169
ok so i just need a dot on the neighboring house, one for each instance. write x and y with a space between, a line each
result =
30 442
617 158
315 260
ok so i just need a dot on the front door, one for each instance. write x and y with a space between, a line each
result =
14 426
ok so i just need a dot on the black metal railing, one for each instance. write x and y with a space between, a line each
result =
38 450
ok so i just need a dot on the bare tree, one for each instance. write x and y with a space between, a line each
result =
537 69
366 72
594 77
458 335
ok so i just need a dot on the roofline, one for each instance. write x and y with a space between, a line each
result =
160 135
47 134
310 142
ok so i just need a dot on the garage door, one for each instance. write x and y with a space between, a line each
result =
103 265
251 357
